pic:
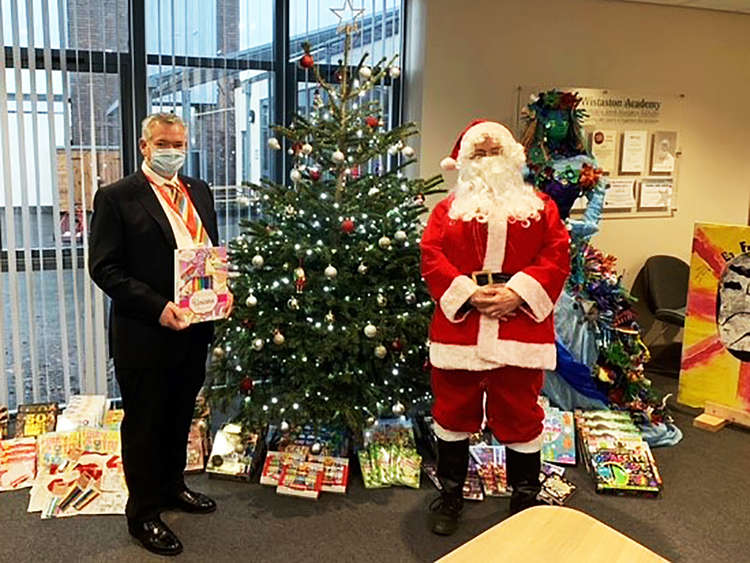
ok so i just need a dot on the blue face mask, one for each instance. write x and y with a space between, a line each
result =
167 161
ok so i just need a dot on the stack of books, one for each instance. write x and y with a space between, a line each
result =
616 455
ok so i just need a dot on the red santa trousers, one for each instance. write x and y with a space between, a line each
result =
513 413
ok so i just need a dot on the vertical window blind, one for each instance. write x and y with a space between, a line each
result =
76 76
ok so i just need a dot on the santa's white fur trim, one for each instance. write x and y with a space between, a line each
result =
533 293
459 291
503 353
530 447
448 163
448 435
494 254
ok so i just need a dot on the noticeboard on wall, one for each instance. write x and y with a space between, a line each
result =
635 138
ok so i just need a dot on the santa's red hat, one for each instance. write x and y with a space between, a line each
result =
475 130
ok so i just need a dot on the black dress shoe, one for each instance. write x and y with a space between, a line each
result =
190 501
156 536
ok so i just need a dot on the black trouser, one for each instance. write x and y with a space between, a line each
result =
159 405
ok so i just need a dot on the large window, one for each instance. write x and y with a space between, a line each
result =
76 79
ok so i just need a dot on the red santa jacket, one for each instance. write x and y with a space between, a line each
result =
535 255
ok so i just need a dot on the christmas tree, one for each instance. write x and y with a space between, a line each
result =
331 316
596 326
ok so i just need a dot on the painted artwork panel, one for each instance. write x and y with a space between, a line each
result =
716 345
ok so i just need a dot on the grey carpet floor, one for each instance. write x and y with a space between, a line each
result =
702 515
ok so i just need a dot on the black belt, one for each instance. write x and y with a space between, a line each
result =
485 277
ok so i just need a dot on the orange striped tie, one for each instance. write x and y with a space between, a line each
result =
188 213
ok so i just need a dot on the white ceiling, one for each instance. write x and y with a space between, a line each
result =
740 6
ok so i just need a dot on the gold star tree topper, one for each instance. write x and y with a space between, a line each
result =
347 16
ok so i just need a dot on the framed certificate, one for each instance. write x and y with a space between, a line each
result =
656 193
663 152
633 152
603 145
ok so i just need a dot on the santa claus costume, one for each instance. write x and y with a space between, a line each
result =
495 256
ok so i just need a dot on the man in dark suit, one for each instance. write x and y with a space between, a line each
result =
160 359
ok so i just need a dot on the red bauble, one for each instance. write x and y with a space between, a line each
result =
372 121
355 172
307 61
397 345
246 385
347 226
314 174
297 148
427 366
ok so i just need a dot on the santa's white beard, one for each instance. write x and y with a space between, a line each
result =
493 187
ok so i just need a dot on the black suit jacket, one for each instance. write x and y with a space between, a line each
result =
131 258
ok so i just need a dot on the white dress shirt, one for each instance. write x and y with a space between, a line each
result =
182 235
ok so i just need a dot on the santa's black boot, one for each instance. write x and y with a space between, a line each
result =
523 477
453 462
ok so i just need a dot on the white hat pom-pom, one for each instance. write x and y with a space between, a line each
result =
448 163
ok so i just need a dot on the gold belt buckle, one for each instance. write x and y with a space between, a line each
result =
482 277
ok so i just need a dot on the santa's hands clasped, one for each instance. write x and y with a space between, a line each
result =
496 301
